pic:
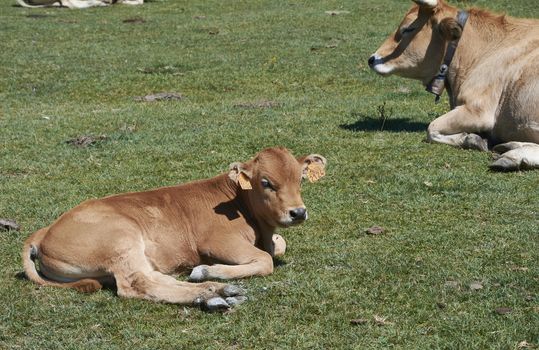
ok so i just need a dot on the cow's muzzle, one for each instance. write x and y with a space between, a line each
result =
374 60
379 65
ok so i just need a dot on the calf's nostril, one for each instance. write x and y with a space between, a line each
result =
298 214
371 61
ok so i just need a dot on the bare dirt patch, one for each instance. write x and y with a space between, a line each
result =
87 140
258 104
160 96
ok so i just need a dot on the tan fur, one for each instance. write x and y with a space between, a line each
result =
493 81
138 240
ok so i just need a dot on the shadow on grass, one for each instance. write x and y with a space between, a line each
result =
391 124
109 285
278 262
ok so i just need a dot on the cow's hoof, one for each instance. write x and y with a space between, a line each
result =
503 147
216 304
474 141
232 290
199 273
504 164
233 301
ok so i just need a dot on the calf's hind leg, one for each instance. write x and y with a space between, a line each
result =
135 278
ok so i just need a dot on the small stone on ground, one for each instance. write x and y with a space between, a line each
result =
375 230
7 225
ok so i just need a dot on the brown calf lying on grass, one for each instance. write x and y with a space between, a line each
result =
138 240
489 65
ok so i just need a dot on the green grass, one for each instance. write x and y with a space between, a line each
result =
448 221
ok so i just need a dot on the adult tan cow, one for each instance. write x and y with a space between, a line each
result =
490 67
139 241
76 4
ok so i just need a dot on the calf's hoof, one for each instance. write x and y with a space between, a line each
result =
230 297
233 301
231 290
216 304
199 273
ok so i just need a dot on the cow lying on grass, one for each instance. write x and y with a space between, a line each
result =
138 240
490 67
76 4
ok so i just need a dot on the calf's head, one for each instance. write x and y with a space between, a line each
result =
272 183
416 49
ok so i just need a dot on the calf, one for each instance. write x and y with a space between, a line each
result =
490 67
139 241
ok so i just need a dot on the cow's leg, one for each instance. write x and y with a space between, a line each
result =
38 3
135 278
242 259
458 127
516 156
80 4
131 2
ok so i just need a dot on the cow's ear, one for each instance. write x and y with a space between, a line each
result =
313 167
241 174
450 29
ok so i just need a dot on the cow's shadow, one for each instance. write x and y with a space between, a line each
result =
391 124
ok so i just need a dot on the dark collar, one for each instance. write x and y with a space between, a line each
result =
436 85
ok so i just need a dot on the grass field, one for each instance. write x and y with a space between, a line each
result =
460 242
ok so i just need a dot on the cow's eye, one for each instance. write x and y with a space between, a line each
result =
266 184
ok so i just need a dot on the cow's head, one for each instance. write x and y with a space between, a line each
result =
272 184
415 50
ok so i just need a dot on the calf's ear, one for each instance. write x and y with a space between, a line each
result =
313 167
450 29
241 174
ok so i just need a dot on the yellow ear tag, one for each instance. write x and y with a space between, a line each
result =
244 182
315 171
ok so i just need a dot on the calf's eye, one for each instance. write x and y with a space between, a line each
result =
266 184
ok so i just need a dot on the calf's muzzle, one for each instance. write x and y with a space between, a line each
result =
298 214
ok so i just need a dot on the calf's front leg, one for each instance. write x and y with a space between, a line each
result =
242 259
279 245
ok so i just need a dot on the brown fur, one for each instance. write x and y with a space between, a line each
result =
138 240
